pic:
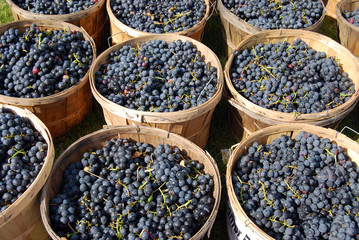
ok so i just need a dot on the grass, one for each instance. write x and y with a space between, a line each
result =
5 13
220 134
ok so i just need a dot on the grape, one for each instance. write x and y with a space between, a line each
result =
55 7
39 63
272 14
290 78
119 192
352 17
22 155
299 192
157 77
159 16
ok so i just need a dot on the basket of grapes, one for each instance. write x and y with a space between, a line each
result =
285 76
244 17
26 157
88 14
132 19
294 181
171 82
44 67
348 24
129 182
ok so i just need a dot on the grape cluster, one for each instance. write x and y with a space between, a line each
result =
301 188
56 7
157 77
290 78
22 154
159 16
276 14
352 17
39 63
131 190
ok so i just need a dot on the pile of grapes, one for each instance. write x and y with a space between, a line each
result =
290 78
132 190
276 14
159 16
301 188
56 7
352 17
22 154
39 63
157 77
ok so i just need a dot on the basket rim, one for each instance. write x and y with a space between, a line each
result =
284 128
138 130
261 111
136 114
65 93
30 193
58 17
137 33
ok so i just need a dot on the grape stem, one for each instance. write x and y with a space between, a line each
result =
16 153
87 170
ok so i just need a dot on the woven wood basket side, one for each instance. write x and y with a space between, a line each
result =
121 32
316 41
348 33
192 123
267 135
196 131
149 135
93 20
235 28
330 8
63 110
22 219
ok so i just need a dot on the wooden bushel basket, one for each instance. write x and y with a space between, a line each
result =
63 110
249 117
264 136
22 219
348 33
193 123
235 28
148 135
93 19
121 32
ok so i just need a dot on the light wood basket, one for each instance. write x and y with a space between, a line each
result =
267 135
148 135
193 123
63 110
22 219
348 33
249 117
